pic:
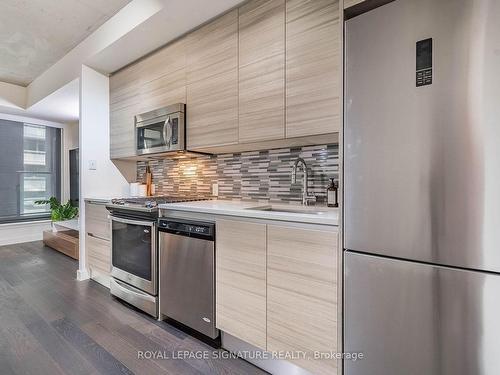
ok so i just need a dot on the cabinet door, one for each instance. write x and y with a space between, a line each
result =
313 63
124 104
151 83
97 223
98 254
262 70
302 294
164 77
212 111
212 78
241 280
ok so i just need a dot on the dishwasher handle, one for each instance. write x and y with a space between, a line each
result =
195 229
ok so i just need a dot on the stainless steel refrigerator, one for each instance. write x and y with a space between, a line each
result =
422 188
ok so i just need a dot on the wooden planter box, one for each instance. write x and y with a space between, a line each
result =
66 242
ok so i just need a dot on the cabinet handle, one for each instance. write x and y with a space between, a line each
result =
98 237
167 132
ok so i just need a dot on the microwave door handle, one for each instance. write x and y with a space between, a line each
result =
167 132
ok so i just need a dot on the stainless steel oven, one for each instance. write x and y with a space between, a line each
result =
134 261
161 130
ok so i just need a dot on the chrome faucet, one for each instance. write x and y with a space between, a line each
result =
306 198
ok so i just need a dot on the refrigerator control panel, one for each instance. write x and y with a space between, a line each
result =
424 62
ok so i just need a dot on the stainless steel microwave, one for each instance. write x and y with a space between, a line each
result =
161 130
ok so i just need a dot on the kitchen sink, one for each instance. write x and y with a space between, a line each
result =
307 211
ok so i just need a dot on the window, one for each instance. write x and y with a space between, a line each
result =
30 169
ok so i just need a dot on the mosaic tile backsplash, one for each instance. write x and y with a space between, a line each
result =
255 175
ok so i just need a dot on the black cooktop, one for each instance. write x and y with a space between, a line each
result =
148 204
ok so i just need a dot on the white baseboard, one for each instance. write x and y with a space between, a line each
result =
20 232
82 275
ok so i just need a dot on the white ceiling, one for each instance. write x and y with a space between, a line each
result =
34 34
174 18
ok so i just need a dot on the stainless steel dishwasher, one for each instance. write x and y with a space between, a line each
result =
187 274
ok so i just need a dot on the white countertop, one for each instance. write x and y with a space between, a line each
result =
312 214
69 224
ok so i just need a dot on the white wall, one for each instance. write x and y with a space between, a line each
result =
106 180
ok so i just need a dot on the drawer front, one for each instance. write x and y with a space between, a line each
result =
98 253
97 223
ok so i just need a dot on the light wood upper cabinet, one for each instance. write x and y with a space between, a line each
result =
262 70
154 82
302 294
164 81
212 111
124 105
241 280
213 48
212 83
313 60
265 75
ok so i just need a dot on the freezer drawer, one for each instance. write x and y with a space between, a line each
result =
413 319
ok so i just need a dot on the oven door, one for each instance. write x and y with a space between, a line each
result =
161 134
134 255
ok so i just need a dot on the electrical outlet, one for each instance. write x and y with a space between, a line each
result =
92 165
215 189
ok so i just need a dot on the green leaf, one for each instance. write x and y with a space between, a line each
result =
60 212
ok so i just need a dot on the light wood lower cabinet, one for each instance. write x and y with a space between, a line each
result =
98 254
97 223
241 280
277 289
302 294
98 242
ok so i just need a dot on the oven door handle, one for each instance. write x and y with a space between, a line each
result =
128 289
132 222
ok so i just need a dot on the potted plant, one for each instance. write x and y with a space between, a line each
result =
58 211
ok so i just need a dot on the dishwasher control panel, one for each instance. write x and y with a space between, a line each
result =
187 228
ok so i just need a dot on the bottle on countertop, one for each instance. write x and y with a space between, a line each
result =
149 181
332 194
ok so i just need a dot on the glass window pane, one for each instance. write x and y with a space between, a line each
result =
30 168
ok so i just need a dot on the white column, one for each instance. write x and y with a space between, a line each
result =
105 180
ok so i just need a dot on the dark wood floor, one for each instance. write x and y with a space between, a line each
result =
52 324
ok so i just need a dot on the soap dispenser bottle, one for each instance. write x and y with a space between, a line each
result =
332 194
